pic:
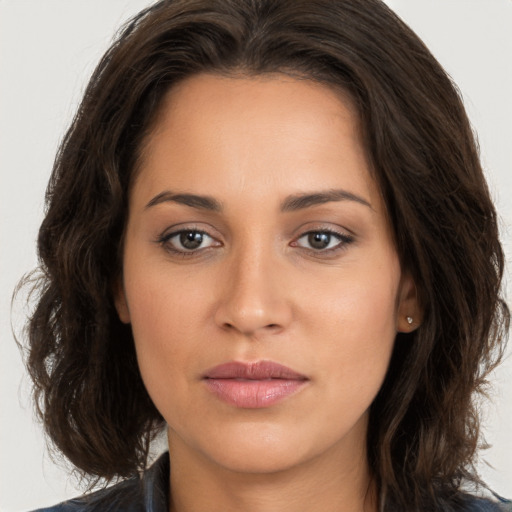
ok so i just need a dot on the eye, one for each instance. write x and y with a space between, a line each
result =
323 240
187 240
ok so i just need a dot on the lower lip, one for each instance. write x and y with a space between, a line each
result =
253 394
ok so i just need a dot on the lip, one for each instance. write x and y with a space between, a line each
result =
253 385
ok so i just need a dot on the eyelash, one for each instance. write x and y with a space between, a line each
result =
165 241
343 241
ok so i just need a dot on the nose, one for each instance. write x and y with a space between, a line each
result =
254 296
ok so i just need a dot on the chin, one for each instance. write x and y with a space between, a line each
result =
262 449
258 460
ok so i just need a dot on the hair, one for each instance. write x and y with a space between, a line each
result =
424 428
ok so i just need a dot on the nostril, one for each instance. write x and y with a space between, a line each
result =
230 327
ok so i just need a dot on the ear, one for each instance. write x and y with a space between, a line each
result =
409 310
120 302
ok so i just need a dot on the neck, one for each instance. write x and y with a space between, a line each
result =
327 483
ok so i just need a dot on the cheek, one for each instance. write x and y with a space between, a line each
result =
360 301
163 314
161 302
356 328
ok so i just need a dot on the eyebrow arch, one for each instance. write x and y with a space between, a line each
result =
192 200
290 204
301 201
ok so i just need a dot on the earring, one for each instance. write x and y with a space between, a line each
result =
409 319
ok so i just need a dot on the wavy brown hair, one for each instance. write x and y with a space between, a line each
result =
424 428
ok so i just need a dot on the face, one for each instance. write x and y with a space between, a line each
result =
260 276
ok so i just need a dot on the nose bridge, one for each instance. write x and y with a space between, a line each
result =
253 297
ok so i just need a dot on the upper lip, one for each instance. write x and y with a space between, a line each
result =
259 370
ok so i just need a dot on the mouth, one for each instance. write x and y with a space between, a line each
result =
253 385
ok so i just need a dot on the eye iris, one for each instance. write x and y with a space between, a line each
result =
191 239
319 240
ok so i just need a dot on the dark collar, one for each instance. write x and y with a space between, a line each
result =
151 494
155 485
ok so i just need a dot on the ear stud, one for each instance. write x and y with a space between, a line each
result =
409 319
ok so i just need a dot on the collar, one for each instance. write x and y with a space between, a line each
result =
155 483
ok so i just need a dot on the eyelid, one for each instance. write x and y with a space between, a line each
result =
200 227
165 238
178 233
345 238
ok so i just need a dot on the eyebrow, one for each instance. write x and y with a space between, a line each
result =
301 201
192 200
290 204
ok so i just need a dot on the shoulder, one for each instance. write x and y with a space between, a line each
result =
122 497
146 494
477 504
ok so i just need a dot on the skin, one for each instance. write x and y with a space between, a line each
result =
257 290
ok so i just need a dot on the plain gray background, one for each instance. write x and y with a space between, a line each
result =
48 48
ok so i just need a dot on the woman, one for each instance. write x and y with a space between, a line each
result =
268 232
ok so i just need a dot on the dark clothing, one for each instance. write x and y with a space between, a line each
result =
151 494
148 494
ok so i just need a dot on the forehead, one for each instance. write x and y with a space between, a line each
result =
283 103
261 133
